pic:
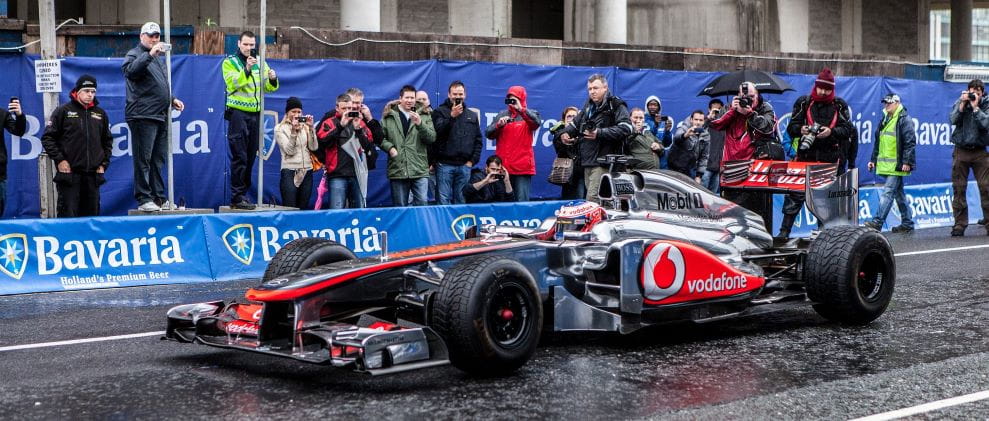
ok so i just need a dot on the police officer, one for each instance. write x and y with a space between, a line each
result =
78 140
242 74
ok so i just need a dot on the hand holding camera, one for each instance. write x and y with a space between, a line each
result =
415 118
458 108
807 140
513 103
14 106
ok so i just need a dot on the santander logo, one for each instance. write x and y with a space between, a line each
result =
675 273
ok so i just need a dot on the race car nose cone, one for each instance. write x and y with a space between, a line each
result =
507 314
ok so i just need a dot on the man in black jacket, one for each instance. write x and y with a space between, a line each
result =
600 129
494 184
13 120
78 140
970 116
458 144
821 124
148 100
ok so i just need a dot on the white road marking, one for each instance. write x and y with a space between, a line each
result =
80 341
912 253
927 407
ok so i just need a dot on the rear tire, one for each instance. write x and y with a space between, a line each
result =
489 312
850 274
305 253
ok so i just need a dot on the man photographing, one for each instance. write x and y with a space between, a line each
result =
970 116
148 101
242 74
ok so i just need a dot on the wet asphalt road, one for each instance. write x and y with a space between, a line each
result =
791 364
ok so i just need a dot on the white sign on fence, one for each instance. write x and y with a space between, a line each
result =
47 76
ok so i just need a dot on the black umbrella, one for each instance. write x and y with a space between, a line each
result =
728 83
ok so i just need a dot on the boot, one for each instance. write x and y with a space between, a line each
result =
786 225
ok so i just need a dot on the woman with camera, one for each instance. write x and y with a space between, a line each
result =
512 131
296 139
573 188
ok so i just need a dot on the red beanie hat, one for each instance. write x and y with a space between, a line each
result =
825 79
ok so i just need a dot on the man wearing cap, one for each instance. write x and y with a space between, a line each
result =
893 157
148 100
242 74
77 138
820 127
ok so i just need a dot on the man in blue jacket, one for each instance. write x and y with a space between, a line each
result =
148 100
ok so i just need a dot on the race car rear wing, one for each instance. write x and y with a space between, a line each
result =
832 198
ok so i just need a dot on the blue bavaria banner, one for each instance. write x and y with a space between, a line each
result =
83 253
202 168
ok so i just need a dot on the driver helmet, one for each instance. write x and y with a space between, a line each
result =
579 216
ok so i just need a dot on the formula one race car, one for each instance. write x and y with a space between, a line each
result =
659 248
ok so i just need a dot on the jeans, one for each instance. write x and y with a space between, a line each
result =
342 189
712 181
400 191
575 189
242 134
450 182
893 190
150 149
296 197
521 186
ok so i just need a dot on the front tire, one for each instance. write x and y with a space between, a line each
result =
305 253
850 274
489 312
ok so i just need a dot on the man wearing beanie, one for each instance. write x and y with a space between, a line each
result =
820 127
77 138
148 101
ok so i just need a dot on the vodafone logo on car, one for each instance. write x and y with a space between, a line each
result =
673 273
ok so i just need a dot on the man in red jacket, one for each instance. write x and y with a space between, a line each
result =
512 131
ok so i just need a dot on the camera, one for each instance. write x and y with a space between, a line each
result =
743 100
590 126
499 176
509 101
354 114
254 52
971 96
166 47
300 119
457 101
807 140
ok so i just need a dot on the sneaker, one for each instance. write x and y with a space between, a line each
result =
166 205
957 231
244 205
149 207
902 229
874 225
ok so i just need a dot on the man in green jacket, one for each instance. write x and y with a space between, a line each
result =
893 157
242 75
408 130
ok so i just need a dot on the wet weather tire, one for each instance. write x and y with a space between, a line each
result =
305 253
489 312
849 274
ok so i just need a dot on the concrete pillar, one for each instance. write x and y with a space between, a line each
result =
389 15
140 11
233 13
360 15
851 26
611 21
961 30
794 26
481 18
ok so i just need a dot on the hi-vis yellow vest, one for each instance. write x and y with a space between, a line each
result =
886 160
242 88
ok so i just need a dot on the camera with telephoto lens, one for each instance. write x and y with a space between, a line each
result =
807 140
743 100
589 126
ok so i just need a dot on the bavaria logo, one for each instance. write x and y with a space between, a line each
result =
239 240
13 255
658 281
462 224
